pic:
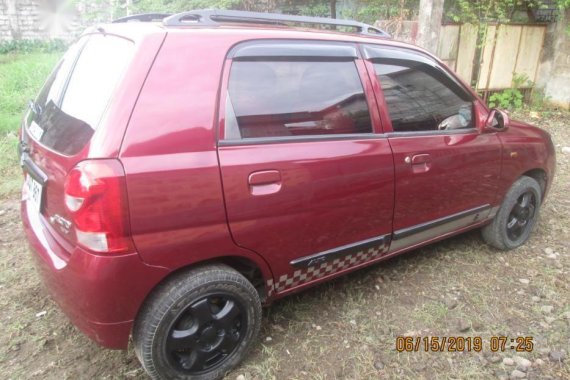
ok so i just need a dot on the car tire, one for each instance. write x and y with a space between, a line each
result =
198 324
516 217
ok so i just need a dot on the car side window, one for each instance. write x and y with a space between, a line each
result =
421 97
282 98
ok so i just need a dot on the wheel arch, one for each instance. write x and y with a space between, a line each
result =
257 272
540 176
163 306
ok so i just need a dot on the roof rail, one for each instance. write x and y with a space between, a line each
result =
145 17
214 17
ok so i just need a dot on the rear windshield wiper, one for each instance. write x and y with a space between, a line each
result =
36 108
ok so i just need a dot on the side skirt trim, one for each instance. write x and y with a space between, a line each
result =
326 263
409 231
321 257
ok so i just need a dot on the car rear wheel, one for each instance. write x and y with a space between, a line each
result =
516 217
197 325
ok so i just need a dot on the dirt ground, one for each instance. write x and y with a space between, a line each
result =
347 329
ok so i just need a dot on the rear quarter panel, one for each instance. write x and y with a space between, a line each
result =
106 141
170 159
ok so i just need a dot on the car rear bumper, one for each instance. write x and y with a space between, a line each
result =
100 294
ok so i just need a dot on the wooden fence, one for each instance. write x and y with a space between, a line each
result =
508 50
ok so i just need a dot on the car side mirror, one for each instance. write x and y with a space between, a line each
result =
497 120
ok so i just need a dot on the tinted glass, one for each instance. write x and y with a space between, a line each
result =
52 90
422 98
70 107
275 99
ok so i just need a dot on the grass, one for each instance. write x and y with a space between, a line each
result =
21 77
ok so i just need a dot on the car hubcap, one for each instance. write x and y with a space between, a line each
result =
521 215
205 333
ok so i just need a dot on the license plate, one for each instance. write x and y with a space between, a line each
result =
34 192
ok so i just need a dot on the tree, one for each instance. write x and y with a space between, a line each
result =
370 11
478 11
431 13
105 10
140 6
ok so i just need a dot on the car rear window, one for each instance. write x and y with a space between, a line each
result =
295 98
73 100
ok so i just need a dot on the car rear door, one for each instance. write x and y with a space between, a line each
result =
446 170
308 181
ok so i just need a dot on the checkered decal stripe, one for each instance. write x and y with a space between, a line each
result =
301 276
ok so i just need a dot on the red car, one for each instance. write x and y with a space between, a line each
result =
181 174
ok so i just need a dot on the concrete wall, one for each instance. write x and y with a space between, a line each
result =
18 19
554 69
38 19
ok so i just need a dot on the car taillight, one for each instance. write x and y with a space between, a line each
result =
96 198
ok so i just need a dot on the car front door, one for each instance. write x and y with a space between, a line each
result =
308 182
446 171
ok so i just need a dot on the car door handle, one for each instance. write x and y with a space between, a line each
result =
264 182
421 159
420 163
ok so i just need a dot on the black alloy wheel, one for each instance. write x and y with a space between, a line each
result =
515 219
205 333
198 324
520 216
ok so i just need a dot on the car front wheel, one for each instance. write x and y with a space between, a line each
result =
516 217
199 324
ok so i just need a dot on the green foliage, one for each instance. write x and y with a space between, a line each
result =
9 168
107 10
21 76
316 10
521 80
362 10
142 6
370 11
478 11
511 98
33 46
539 100
473 11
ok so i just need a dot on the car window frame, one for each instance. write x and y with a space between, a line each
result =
319 50
377 53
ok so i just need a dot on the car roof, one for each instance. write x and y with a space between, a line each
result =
138 30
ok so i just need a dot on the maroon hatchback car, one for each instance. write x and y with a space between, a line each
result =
181 174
